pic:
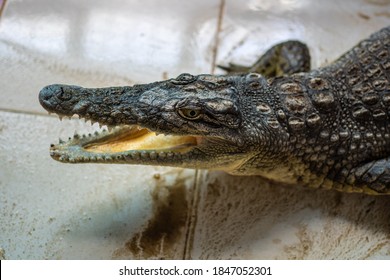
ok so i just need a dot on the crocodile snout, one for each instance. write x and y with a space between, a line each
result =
58 98
48 95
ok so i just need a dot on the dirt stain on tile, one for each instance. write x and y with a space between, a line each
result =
163 237
379 2
300 250
383 14
2 6
276 241
2 254
363 16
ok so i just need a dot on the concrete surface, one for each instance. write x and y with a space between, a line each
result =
60 211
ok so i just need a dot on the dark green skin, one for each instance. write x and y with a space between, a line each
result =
327 128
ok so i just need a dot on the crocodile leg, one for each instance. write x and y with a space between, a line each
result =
373 176
285 58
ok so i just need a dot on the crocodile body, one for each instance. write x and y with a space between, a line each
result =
328 127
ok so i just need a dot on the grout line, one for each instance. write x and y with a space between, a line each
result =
192 217
219 28
18 111
2 5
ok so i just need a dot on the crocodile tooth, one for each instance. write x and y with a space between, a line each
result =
64 158
170 155
162 154
145 155
107 158
72 160
153 155
135 155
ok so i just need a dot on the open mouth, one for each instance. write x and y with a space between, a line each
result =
123 144
129 138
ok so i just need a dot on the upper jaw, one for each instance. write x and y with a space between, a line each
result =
108 106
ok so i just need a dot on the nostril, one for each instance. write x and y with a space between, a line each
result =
48 92
50 95
63 95
45 94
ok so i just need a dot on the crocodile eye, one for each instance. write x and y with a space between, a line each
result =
183 79
190 114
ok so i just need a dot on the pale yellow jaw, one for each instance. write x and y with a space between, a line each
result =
135 138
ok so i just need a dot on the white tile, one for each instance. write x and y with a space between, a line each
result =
100 43
249 218
53 210
63 211
330 28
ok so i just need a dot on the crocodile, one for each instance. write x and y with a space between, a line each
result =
324 128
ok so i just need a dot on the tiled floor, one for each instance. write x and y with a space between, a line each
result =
59 211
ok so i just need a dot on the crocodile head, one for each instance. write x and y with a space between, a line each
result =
191 121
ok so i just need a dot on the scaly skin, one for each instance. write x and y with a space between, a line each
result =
326 128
